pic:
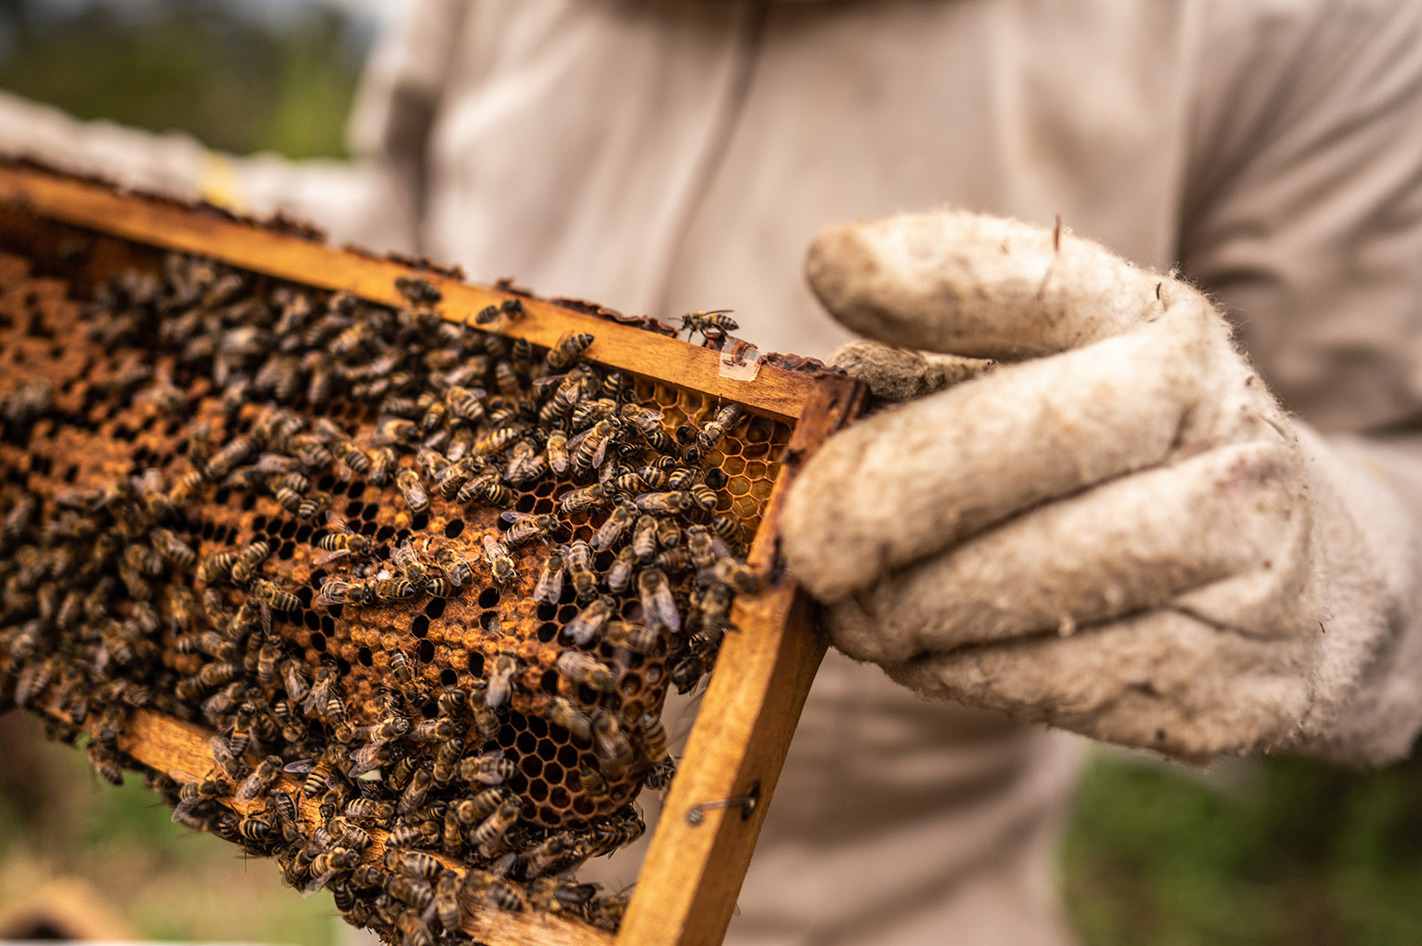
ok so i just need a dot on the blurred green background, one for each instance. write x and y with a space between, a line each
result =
1262 852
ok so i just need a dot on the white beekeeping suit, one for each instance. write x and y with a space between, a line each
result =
667 155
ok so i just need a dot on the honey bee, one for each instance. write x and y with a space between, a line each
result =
311 451
417 289
476 808
335 593
396 430
217 567
342 541
495 890
455 568
735 574
281 809
668 533
713 604
613 748
501 680
643 418
263 776
726 528
619 573
715 430
568 349
590 412
549 587
371 757
413 490
349 833
452 478
370 811
417 865
701 545
413 929
499 440
271 595
413 797
556 452
390 728
711 323
491 768
465 403
583 498
387 590
405 559
108 765
658 604
553 895
500 563
256 830
674 560
420 834
562 712
171 548
616 831
249 560
382 466
195 793
634 638
525 527
588 624
673 502
327 864
584 669
491 832
578 557
446 764
486 720
590 447
446 900
621 518
644 537
703 497
433 730
525 464
228 458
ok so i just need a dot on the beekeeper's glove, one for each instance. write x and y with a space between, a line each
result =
1116 529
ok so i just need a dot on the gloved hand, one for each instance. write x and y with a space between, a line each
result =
1115 530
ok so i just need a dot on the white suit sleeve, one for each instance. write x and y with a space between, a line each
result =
1303 218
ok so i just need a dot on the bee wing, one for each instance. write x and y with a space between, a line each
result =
511 516
299 766
404 555
608 532
660 605
575 441
648 420
314 886
337 523
324 558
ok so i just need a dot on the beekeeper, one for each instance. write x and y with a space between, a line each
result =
1174 506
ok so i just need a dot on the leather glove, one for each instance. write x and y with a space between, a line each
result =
1115 530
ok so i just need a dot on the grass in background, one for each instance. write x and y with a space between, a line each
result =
169 883
1279 851
236 82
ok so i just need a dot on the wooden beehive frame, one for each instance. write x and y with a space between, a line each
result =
699 854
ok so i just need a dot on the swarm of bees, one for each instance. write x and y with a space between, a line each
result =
426 586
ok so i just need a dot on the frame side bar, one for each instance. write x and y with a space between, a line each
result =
693 872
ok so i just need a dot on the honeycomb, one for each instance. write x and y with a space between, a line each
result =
184 450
